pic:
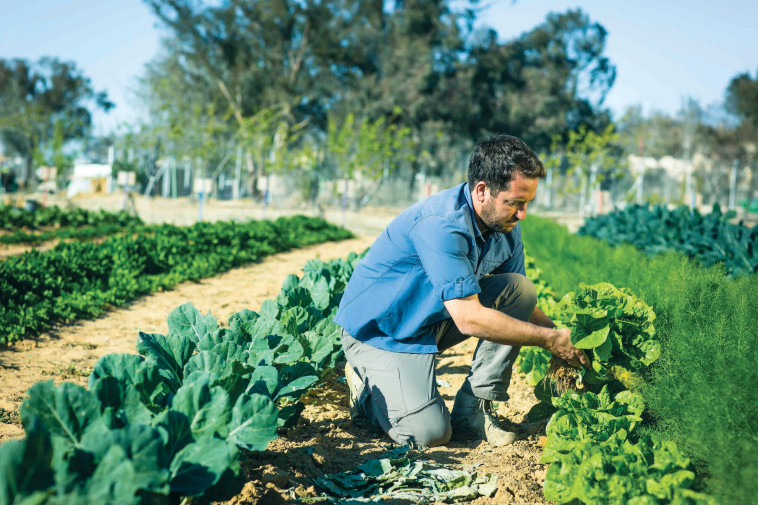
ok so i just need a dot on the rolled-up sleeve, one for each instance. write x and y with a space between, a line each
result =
442 246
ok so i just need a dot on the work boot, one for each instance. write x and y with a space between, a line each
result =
355 389
475 418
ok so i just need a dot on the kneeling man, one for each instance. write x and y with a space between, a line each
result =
446 269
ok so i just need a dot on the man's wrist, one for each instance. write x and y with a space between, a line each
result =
551 334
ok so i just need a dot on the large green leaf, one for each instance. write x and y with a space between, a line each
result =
229 351
186 321
269 309
206 406
65 411
288 350
295 379
254 422
260 352
205 361
321 293
115 480
175 430
169 352
223 335
200 465
142 446
120 402
26 465
295 297
264 380
583 340
237 319
144 375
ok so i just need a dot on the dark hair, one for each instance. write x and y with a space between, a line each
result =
495 159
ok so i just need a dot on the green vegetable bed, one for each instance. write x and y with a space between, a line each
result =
177 420
702 391
80 280
14 219
709 238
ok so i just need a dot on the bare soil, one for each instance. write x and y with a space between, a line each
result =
283 472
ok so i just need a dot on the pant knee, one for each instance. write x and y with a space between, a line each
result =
528 291
434 433
429 427
517 295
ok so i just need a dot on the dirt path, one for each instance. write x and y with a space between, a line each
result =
282 472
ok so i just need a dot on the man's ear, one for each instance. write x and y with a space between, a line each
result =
480 191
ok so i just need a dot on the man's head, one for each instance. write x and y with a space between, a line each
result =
503 174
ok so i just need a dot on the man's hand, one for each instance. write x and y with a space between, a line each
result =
561 347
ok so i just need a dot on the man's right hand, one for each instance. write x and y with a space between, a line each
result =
561 347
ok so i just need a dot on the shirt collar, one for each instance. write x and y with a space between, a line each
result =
477 232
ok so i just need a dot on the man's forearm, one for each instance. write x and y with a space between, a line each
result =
494 326
540 319
472 318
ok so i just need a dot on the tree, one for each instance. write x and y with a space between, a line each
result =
415 63
550 80
264 53
742 99
656 135
40 99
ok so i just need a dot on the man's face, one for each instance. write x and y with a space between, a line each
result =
502 212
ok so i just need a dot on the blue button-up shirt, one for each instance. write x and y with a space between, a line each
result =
433 251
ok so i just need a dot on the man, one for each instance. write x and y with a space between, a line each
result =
446 268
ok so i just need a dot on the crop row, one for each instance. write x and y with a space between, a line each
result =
597 452
81 279
709 238
702 392
80 233
12 218
176 420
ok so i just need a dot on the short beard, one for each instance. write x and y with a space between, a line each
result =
489 219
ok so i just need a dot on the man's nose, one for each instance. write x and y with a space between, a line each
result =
521 212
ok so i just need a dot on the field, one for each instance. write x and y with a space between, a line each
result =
69 352
616 328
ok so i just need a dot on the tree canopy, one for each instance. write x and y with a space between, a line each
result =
44 102
375 58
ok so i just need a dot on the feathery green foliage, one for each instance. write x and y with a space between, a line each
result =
703 390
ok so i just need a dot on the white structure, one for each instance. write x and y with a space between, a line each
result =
87 177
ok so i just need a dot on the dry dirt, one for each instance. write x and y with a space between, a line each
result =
284 471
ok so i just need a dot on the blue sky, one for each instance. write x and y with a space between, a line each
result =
664 50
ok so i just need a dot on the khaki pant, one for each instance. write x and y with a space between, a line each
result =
398 391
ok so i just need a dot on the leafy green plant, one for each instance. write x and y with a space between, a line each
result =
80 279
710 238
174 420
593 446
82 233
13 219
589 416
651 471
614 326
706 325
